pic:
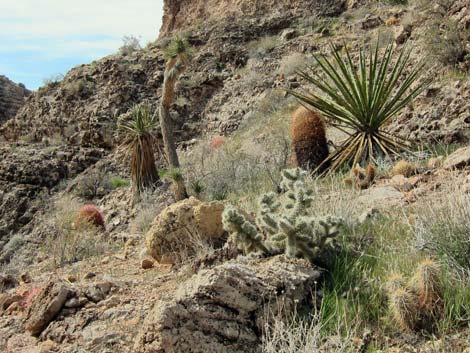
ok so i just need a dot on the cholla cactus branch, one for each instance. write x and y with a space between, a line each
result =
285 223
242 232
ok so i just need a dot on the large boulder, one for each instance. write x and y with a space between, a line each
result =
45 307
458 159
224 309
181 227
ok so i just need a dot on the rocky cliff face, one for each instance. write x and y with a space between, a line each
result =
183 14
12 98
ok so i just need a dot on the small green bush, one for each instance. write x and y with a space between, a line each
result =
118 182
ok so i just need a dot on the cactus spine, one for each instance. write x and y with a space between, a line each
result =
361 178
416 303
284 222
309 139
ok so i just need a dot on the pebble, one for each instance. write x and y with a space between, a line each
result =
146 264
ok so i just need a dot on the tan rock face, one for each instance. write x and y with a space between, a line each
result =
12 98
181 14
223 310
180 227
458 159
45 307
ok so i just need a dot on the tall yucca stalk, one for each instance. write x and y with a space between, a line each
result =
137 141
360 98
178 55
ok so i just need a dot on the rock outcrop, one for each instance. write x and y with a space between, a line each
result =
45 307
12 98
27 176
224 309
182 14
182 227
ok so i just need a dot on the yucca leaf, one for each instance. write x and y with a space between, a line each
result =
363 96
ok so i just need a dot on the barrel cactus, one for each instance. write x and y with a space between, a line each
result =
89 215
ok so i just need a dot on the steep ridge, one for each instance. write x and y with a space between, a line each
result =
182 14
12 98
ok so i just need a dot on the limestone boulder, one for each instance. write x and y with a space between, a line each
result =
183 226
459 159
224 309
45 307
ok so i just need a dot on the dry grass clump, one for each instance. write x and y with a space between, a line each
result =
293 334
404 168
291 63
66 242
442 228
259 48
148 208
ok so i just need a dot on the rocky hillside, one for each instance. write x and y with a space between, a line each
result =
160 276
180 15
12 98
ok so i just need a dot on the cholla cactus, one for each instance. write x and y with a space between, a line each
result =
284 222
242 232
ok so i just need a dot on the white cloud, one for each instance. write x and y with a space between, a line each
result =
64 27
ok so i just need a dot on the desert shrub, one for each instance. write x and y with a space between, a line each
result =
78 88
130 44
66 242
235 169
53 80
447 42
291 63
119 182
261 47
94 184
397 2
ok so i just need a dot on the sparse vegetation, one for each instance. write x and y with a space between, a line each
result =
118 182
291 63
93 185
448 42
130 44
260 47
70 242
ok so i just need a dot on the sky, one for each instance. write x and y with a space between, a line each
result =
40 39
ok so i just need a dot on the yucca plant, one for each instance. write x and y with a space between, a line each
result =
178 55
137 142
360 98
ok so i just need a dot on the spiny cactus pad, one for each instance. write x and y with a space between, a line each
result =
284 222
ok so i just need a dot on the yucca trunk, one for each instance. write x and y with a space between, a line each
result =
167 126
144 171
165 119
